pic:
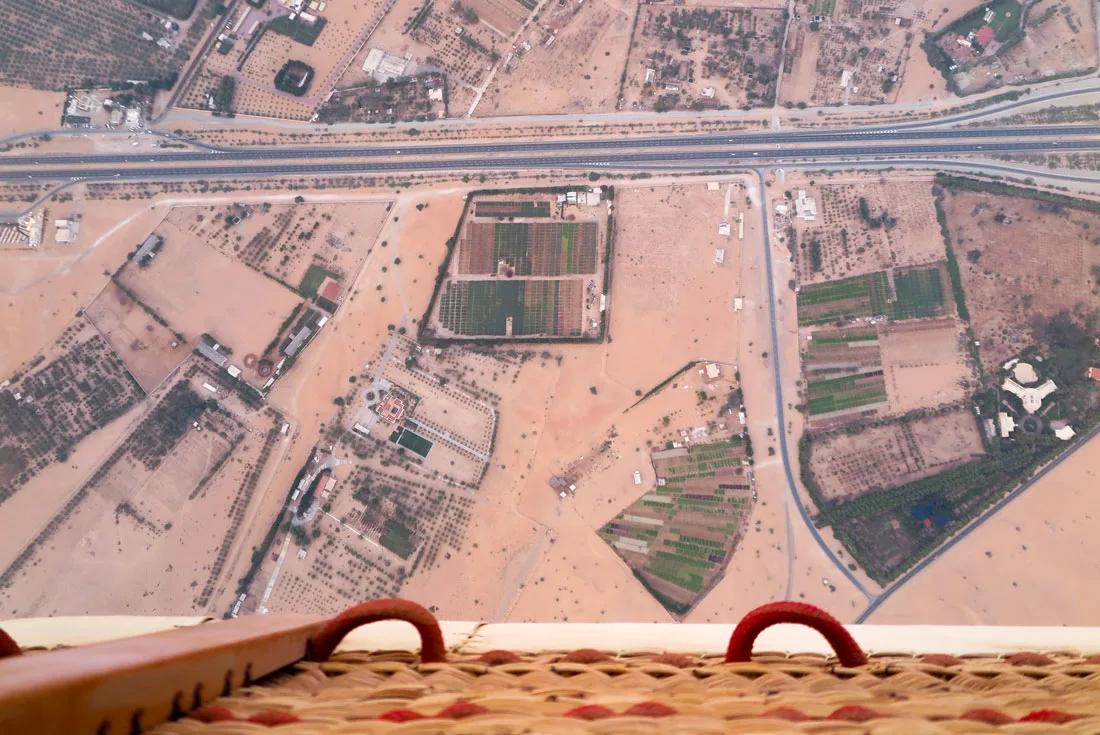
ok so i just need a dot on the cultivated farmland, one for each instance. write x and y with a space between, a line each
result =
847 464
844 375
56 44
679 536
897 295
529 266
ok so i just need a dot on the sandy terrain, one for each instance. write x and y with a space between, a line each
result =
153 522
849 247
578 72
1001 574
926 364
665 277
149 350
1060 38
29 109
877 458
196 289
1031 262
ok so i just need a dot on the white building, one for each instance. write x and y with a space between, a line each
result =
1032 398
805 206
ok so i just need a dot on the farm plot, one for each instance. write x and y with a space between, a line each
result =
82 44
49 406
1022 255
149 349
197 290
466 55
506 208
926 364
866 227
844 375
513 308
679 536
699 58
910 294
847 465
530 249
843 300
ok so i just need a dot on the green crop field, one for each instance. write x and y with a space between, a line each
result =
550 307
412 441
920 294
512 209
850 391
679 536
397 539
312 280
846 299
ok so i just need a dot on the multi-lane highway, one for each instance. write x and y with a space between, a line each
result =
686 159
596 145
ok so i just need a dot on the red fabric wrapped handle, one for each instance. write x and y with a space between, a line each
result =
432 649
765 616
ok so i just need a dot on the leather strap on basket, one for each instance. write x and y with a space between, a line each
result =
765 616
432 650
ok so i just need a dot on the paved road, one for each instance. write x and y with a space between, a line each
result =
885 595
597 146
777 375
688 160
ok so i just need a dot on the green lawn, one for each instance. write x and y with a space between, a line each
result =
313 279
397 539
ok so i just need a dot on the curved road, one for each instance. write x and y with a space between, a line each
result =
885 595
700 160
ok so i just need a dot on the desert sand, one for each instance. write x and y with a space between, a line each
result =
1001 574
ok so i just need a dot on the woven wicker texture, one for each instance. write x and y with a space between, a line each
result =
542 693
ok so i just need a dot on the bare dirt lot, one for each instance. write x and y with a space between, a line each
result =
571 60
29 109
665 280
840 243
1020 258
700 58
873 44
197 290
285 240
149 350
926 364
158 516
1059 38
847 465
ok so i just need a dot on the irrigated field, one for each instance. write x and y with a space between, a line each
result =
848 464
844 375
899 295
679 536
530 249
546 276
513 308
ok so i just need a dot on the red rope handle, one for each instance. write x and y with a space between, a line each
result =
765 616
8 646
432 649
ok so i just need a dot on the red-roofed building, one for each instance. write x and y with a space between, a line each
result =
1094 373
984 36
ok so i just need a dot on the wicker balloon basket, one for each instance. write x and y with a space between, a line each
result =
281 673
